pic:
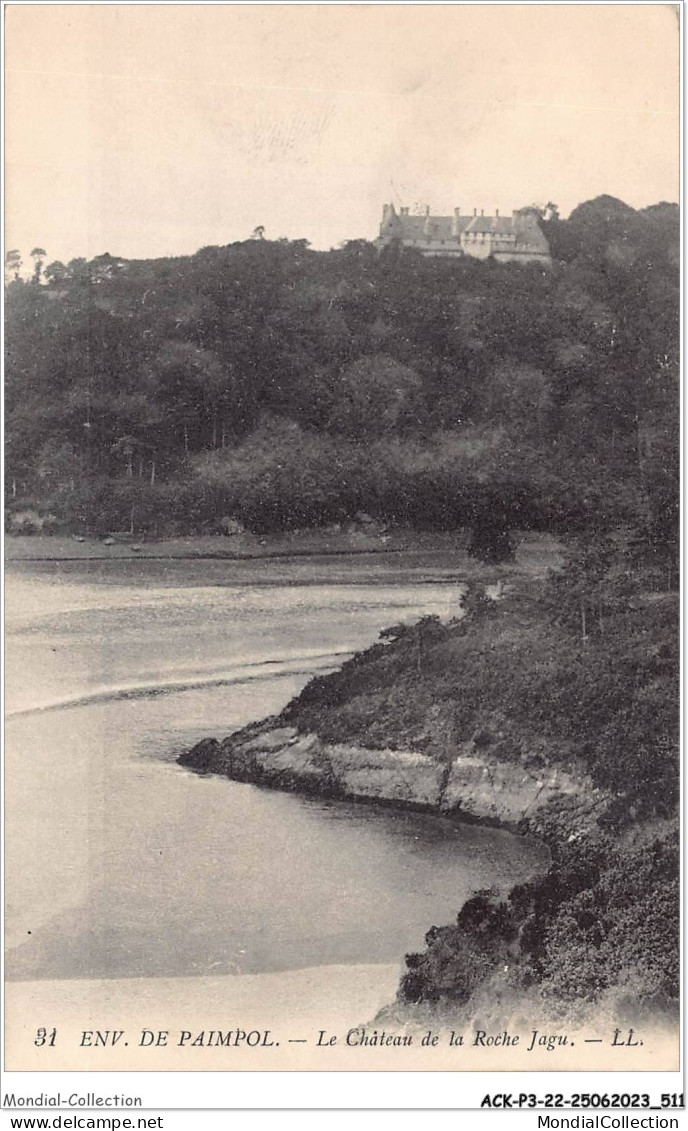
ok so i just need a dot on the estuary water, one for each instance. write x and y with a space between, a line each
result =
122 864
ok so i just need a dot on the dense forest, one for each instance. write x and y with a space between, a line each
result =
267 384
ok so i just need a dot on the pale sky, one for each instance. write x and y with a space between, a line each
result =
149 130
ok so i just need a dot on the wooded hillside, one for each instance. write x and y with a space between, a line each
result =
287 388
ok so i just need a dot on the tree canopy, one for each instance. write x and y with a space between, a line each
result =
286 386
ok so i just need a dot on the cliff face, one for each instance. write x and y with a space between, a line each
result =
471 784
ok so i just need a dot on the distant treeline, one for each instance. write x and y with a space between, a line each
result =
288 388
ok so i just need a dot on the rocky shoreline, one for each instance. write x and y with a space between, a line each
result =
471 785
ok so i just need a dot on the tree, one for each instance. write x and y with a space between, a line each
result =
57 272
518 396
13 264
126 446
546 212
490 542
38 255
375 395
598 580
191 383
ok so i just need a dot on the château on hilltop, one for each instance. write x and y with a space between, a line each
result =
516 238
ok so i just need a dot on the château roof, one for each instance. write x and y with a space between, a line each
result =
495 225
423 225
414 225
430 227
437 227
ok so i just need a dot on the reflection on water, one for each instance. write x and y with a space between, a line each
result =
123 864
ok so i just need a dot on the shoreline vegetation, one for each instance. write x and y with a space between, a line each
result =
404 555
305 558
533 551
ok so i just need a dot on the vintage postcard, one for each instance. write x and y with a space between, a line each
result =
342 551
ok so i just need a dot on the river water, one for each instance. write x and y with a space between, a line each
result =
121 864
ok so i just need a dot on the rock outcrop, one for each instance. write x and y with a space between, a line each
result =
471 784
